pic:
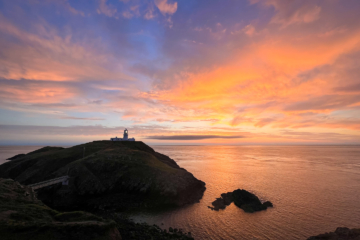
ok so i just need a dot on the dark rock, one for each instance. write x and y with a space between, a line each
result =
243 199
218 204
247 201
342 233
268 204
171 229
221 203
228 198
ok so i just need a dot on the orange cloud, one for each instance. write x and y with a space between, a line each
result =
271 69
36 93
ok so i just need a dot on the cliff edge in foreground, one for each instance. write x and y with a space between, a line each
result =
23 216
105 174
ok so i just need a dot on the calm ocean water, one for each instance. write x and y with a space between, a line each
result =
10 151
314 189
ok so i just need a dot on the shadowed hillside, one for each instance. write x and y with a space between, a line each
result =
23 216
116 175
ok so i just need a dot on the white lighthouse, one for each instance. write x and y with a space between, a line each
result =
125 134
125 138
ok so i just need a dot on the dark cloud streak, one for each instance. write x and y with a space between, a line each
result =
349 88
191 137
324 102
82 118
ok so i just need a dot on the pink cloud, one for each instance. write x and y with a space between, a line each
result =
165 7
47 56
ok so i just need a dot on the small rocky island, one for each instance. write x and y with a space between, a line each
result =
243 199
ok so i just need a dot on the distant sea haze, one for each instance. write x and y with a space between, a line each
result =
314 189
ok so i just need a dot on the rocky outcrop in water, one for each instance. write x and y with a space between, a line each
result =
225 200
23 217
243 199
249 202
106 175
341 233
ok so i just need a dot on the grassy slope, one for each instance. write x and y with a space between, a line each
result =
23 216
26 169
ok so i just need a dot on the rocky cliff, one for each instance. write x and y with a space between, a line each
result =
105 174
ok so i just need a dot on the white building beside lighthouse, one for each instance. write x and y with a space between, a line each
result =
125 138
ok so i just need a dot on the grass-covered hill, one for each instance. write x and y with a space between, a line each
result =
116 175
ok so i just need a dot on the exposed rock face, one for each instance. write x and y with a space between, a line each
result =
243 199
116 175
23 216
342 233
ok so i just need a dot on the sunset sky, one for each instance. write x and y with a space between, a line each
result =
180 72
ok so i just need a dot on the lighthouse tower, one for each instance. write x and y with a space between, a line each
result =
125 134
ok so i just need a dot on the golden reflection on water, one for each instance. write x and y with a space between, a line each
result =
314 189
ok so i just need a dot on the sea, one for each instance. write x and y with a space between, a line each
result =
314 189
